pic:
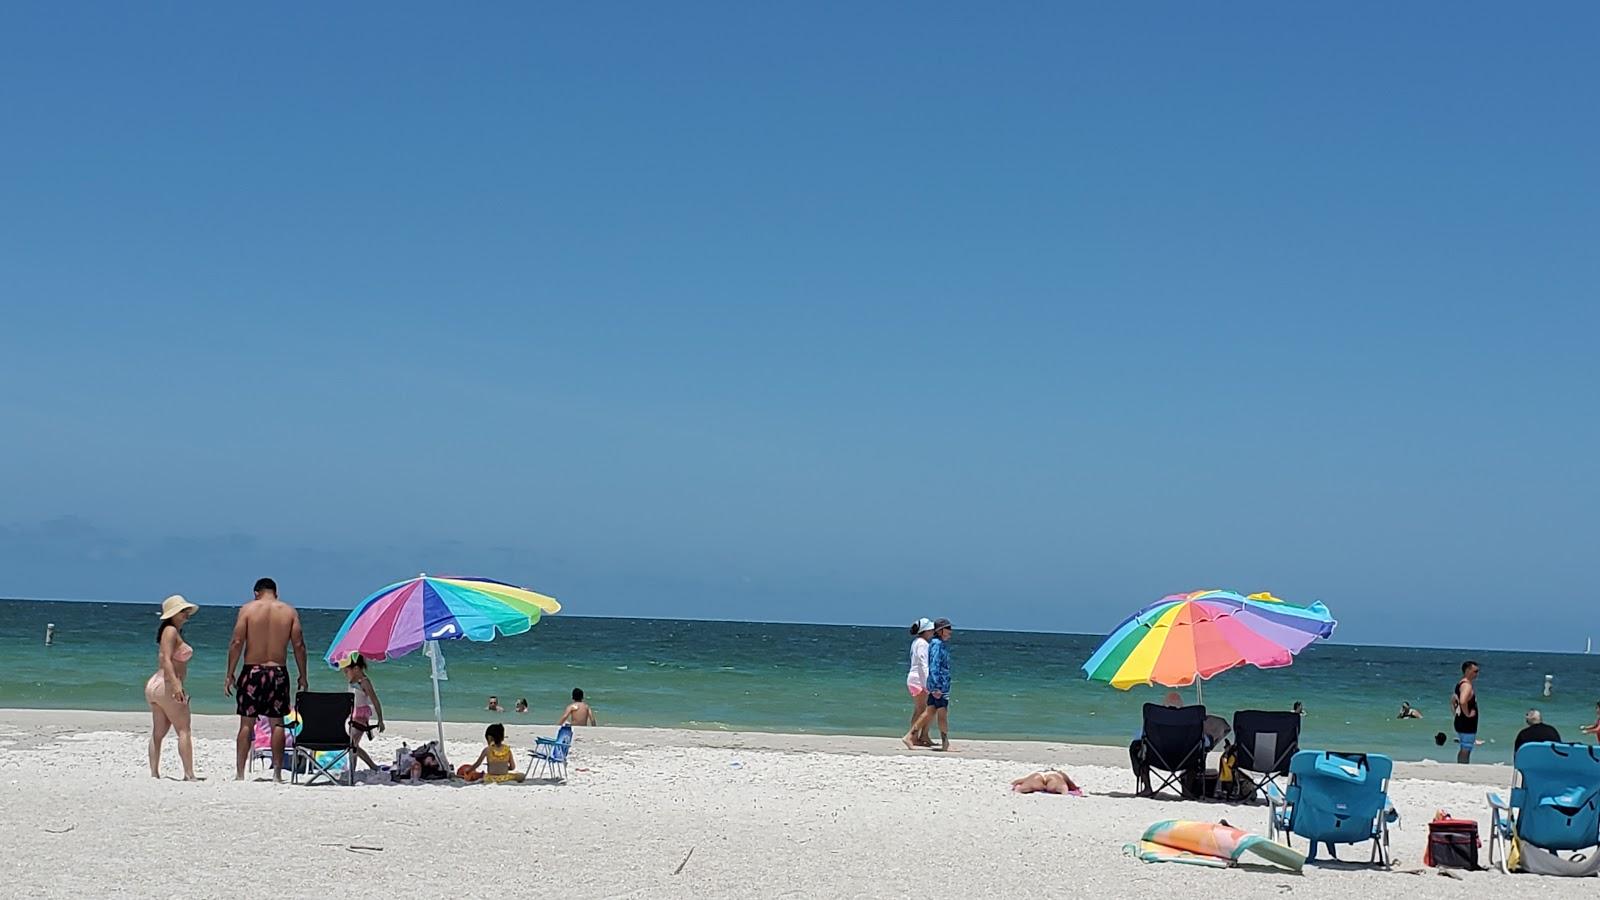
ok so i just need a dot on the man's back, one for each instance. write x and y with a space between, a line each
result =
1535 733
577 713
268 624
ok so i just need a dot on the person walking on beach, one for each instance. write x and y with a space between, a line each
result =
264 628
1464 703
917 677
938 687
169 702
364 705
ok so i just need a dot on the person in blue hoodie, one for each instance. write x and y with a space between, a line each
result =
938 687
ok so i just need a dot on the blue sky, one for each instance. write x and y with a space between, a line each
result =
1021 315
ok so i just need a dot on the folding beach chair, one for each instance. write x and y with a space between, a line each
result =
1554 812
261 742
551 754
324 729
1174 743
1335 798
1263 743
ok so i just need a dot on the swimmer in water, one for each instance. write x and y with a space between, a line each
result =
1406 712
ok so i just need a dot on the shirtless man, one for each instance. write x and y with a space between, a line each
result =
265 627
578 712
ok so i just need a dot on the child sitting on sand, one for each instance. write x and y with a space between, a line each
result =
1050 781
502 765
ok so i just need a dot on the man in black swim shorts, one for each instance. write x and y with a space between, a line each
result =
263 691
266 627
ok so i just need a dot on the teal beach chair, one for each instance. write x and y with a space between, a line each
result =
1335 798
551 754
1554 811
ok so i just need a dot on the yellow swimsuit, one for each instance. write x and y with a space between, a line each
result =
501 755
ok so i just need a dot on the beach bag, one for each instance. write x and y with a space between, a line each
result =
1452 843
432 762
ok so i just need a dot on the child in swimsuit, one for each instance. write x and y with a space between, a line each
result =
366 707
502 765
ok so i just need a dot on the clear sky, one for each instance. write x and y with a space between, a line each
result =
1024 315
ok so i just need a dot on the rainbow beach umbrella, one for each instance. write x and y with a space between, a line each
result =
396 620
1184 638
425 610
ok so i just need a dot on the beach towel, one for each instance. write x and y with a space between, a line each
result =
1210 844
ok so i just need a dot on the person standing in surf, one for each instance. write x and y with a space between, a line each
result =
1464 703
917 678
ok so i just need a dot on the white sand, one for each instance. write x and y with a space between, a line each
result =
765 815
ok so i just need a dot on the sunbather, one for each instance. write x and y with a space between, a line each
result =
1049 781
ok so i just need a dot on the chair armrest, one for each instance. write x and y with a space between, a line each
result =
1496 803
545 742
1275 797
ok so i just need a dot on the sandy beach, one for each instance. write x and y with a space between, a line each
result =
646 813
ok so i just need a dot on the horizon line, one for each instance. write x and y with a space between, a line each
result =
566 615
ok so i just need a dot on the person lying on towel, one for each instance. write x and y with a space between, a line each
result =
1050 781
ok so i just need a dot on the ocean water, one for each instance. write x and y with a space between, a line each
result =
806 678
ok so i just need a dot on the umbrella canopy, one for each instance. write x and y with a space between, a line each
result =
1199 634
398 619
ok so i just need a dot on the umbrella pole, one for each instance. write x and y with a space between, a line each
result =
1199 692
438 712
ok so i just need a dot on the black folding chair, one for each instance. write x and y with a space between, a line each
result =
323 728
1263 743
1174 743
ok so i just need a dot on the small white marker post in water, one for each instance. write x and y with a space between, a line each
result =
49 633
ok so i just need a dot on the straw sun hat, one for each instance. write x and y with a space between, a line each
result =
174 605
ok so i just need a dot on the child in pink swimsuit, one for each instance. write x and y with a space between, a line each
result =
367 706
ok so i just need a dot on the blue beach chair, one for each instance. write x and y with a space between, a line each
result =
551 754
1335 798
1554 811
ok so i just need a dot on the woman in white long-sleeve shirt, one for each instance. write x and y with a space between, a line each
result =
917 677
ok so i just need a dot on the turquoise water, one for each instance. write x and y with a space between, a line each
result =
806 678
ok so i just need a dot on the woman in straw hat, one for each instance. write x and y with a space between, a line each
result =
169 703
